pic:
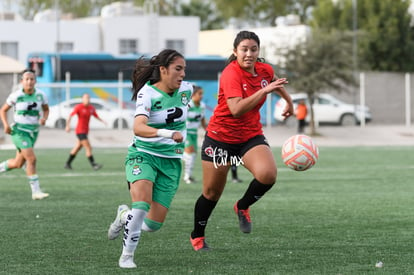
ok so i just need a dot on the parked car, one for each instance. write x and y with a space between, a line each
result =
109 112
327 110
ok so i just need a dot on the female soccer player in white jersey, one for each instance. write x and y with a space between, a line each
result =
153 164
195 118
31 109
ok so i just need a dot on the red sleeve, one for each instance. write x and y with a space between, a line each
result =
230 82
75 110
94 113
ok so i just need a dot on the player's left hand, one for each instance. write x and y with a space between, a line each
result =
288 111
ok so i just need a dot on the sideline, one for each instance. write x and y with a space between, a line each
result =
370 135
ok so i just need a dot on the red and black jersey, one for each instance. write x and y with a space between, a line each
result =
84 113
236 82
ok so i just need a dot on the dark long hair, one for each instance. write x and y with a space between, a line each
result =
239 38
149 69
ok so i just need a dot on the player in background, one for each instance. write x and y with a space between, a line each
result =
301 113
195 118
31 110
234 175
153 164
84 111
235 136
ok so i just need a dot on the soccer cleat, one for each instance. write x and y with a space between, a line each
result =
39 195
237 180
116 226
245 222
127 261
189 180
68 166
96 166
199 244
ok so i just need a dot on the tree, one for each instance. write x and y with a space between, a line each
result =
321 63
263 13
213 14
385 37
210 18
250 12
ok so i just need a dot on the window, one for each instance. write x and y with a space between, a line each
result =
97 106
36 64
9 49
94 69
323 101
177 45
203 69
128 46
65 46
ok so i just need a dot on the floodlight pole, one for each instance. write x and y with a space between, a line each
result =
58 78
354 45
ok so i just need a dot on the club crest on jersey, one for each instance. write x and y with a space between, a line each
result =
136 170
184 99
264 83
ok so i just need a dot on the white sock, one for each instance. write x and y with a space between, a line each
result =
189 160
3 166
146 228
132 231
34 183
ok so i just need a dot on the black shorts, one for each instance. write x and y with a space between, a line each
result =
82 136
224 154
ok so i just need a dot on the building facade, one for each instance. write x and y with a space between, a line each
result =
115 31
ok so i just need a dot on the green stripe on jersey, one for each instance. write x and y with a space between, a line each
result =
27 107
164 111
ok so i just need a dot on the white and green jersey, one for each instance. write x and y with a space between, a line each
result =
27 108
164 111
194 117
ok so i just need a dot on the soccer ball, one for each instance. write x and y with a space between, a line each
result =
299 152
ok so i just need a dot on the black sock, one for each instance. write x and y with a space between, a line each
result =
70 159
234 172
202 212
253 193
91 160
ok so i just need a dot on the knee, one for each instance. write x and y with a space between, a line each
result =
151 225
16 164
267 177
212 194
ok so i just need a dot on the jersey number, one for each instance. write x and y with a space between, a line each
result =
173 114
32 106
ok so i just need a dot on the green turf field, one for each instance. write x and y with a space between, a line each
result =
353 209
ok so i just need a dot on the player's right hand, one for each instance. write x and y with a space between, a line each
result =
177 137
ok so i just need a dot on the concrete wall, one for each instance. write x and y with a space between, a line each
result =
385 95
7 81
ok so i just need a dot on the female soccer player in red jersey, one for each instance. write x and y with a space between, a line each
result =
84 111
235 136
